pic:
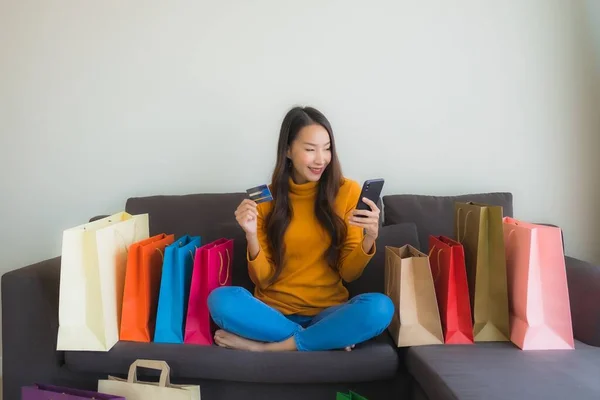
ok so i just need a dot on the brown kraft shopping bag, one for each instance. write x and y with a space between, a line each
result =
478 227
409 283
133 389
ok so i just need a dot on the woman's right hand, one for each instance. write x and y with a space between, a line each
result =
247 216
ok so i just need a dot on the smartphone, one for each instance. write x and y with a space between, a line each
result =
371 190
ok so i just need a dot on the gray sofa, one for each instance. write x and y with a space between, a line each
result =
376 369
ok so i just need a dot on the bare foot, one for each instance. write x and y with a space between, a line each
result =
349 348
231 341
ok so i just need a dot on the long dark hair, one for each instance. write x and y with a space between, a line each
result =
278 220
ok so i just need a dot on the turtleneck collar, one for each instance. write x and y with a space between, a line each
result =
303 189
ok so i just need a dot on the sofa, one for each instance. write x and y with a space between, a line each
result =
376 369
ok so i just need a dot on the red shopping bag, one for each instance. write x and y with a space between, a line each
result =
447 261
212 269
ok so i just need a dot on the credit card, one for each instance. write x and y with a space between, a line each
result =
260 194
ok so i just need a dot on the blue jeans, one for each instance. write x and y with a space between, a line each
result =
363 317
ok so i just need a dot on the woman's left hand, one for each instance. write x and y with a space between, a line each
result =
367 219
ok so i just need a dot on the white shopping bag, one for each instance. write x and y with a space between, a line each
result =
92 276
131 389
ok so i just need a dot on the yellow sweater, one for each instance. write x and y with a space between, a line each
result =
307 284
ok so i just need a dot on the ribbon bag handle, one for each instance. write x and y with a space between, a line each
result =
388 274
390 271
512 231
506 247
458 225
221 267
192 254
439 269
161 366
123 241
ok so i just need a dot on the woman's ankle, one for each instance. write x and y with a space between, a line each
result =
286 345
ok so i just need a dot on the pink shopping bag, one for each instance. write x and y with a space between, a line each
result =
212 269
538 296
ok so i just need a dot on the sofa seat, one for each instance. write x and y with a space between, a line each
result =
374 360
499 371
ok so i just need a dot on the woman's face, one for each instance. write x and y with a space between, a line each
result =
310 154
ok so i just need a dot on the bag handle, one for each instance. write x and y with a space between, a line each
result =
458 225
510 233
123 241
221 267
439 269
192 254
151 364
389 274
507 241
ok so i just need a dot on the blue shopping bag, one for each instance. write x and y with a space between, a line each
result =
175 289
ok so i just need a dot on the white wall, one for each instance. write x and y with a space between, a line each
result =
100 101
585 199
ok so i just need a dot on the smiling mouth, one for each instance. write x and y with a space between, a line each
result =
316 170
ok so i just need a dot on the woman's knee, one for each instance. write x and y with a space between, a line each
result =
225 300
380 310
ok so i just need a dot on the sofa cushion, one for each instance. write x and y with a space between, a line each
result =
499 371
372 278
434 215
374 360
210 216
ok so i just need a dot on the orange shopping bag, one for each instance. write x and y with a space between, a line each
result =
142 283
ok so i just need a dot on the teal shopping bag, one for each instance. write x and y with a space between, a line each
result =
349 396
175 289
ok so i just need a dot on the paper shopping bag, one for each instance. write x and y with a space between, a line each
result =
142 282
92 275
49 392
538 295
447 260
175 289
132 389
212 269
479 230
409 284
349 396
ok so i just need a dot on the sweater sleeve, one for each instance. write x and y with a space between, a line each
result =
262 267
353 258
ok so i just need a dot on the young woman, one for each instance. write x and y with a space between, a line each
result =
300 248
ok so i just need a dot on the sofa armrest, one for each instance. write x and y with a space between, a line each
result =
584 295
30 326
